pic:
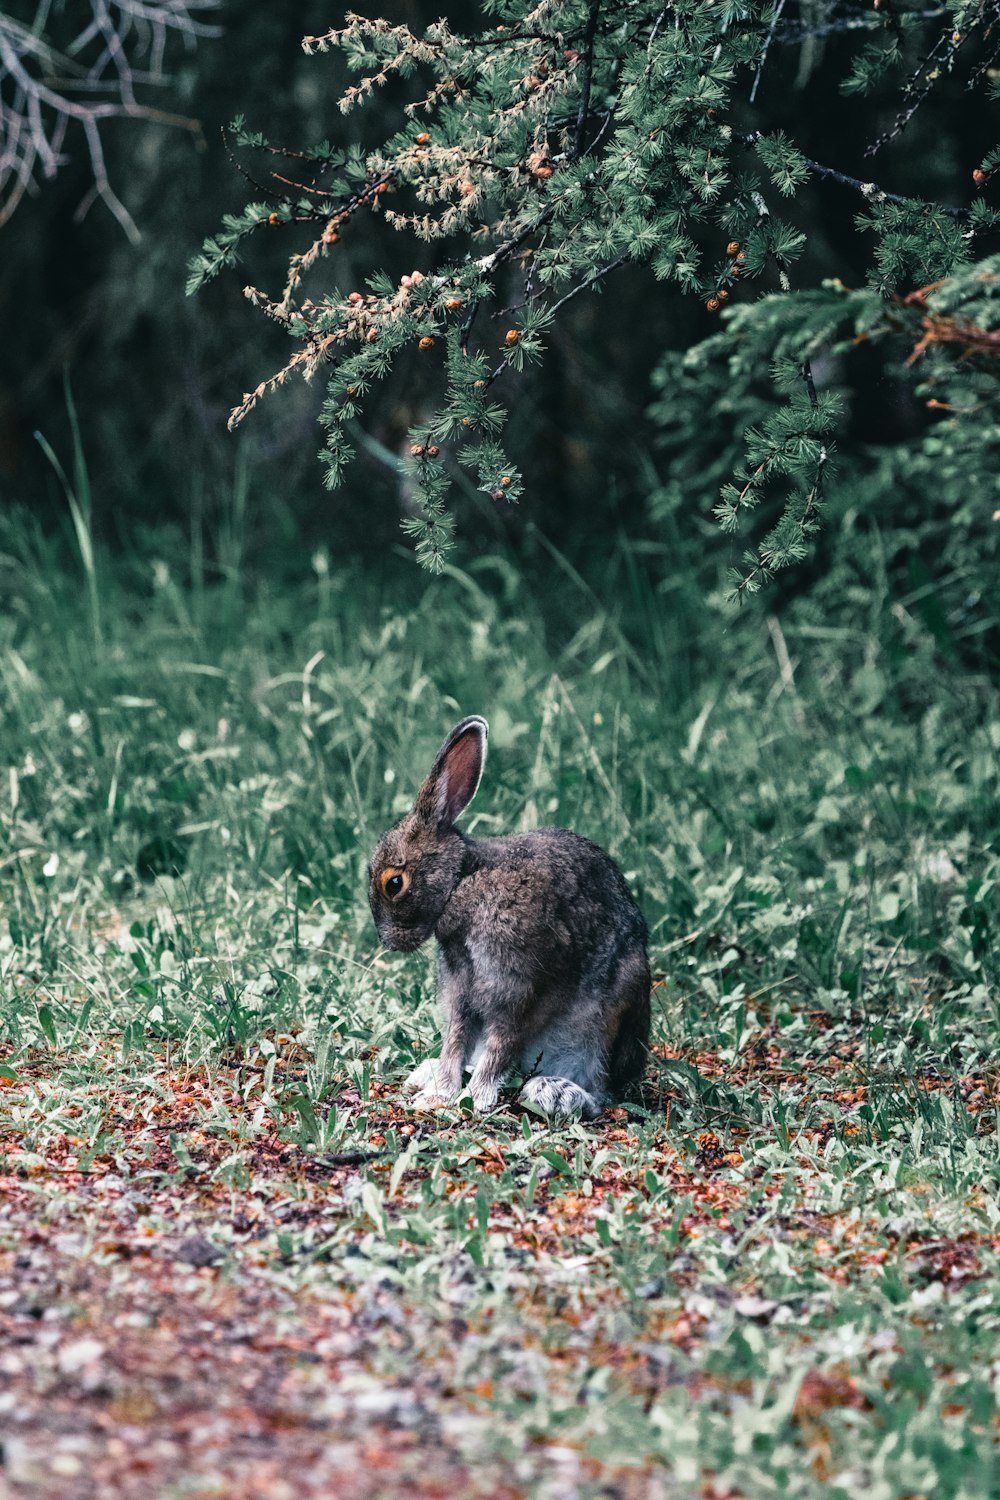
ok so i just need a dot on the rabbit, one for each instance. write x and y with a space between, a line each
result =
542 965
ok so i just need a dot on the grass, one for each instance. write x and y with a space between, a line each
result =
232 1260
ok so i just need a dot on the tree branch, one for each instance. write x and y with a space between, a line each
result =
588 70
869 190
589 281
44 90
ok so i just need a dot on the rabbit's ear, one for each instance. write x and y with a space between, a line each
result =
454 776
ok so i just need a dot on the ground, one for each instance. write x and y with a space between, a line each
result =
446 1305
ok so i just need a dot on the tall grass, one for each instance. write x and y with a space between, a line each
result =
793 817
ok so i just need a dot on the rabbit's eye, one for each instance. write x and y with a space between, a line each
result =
394 883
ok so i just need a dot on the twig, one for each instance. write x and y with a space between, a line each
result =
870 190
467 328
589 281
346 1158
767 43
919 86
588 69
580 287
302 187
488 263
234 161
652 37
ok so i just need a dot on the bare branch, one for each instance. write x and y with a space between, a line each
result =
89 76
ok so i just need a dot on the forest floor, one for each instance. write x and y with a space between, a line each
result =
235 1261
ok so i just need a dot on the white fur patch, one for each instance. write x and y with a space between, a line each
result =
559 1096
424 1076
485 1095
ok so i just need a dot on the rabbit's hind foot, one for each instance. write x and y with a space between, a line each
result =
559 1096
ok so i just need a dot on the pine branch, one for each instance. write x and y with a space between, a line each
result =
548 157
920 84
870 190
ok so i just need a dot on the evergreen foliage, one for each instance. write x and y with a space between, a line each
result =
568 138
719 418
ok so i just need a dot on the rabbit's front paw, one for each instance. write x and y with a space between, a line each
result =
424 1078
485 1095
428 1099
434 1083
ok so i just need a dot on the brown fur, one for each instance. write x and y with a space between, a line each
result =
542 965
